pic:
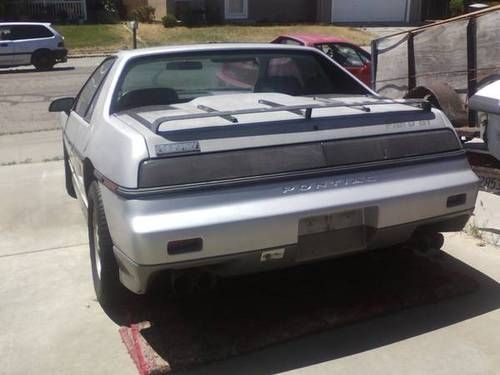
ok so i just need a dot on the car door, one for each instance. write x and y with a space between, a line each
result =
29 38
78 128
6 47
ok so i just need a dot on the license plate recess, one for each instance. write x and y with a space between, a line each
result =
336 233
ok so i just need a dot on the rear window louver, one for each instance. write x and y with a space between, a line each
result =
228 165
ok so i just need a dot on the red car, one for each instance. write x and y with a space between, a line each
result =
350 56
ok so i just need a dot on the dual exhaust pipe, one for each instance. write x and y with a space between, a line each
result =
187 282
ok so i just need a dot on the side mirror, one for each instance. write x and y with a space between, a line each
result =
62 105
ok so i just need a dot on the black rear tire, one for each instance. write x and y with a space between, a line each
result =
70 189
109 290
43 60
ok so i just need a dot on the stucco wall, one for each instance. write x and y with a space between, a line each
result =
273 10
325 10
282 10
160 8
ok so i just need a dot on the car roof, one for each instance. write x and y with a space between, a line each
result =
311 38
127 54
24 23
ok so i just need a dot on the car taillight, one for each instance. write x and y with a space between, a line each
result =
60 44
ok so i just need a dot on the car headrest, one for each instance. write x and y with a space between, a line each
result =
149 96
282 84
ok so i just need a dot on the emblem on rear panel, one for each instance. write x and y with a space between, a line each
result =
328 184
177 148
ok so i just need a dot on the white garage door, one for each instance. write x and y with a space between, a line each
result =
369 10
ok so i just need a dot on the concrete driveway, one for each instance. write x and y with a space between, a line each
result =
52 324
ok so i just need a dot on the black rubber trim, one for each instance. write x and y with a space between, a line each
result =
129 193
15 54
226 165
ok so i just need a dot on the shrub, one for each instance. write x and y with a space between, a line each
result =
109 13
144 13
456 7
169 20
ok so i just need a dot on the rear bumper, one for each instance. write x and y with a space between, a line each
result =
248 219
138 277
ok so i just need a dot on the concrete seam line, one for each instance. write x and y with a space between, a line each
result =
42 250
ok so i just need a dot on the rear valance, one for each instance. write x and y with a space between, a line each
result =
265 161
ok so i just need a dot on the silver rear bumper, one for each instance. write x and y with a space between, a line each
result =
239 221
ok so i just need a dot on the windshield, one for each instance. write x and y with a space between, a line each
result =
170 79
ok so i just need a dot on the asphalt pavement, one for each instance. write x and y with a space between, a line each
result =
28 132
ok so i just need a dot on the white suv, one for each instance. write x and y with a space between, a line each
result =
29 43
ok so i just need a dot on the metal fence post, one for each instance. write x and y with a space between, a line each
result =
134 26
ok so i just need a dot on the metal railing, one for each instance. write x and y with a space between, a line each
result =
50 9
303 110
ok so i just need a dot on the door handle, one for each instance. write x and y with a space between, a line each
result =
4 44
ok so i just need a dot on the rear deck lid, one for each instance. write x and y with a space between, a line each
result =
257 135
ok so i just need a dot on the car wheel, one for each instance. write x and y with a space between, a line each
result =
109 290
70 189
43 60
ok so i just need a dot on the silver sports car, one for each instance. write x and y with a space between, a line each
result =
217 160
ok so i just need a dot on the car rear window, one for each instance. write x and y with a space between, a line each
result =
19 32
170 79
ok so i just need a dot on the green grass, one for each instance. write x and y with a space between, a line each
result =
95 38
155 34
106 38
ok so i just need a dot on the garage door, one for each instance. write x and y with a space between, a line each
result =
369 10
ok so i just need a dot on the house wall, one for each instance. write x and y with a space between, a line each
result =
273 10
160 8
414 12
282 10
130 5
324 11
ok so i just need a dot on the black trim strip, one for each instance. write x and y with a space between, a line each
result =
148 192
15 54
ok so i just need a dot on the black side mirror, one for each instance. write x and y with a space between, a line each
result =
62 105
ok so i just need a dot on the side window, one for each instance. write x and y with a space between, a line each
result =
89 90
42 32
290 42
347 56
5 33
20 32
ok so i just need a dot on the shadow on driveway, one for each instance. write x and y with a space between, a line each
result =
249 313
